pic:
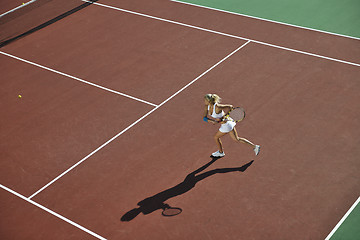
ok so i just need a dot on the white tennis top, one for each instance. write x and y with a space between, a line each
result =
214 114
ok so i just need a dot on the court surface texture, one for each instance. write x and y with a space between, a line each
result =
102 125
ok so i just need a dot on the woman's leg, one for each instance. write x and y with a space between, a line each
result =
217 139
236 138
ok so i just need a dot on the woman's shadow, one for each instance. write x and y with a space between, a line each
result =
153 203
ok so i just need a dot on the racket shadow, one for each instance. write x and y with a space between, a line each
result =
156 202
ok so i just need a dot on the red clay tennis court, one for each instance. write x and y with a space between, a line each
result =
109 126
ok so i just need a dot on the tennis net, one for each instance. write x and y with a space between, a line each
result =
35 15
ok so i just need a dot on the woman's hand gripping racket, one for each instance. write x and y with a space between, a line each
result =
236 114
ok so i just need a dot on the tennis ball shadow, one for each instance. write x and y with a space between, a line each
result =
156 202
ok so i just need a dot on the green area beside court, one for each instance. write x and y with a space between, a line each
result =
340 17
349 229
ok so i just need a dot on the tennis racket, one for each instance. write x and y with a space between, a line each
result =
171 211
236 114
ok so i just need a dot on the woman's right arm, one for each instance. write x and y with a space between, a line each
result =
206 119
205 115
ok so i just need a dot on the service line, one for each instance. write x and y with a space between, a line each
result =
78 79
21 6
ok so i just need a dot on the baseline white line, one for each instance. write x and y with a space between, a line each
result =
225 34
165 20
53 213
343 219
267 20
137 121
77 79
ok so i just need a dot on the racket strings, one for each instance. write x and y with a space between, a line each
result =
237 114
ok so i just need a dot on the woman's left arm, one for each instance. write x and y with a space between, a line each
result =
225 107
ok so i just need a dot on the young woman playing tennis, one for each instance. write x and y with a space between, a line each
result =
217 111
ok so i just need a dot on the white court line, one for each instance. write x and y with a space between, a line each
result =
77 79
267 20
14 9
343 219
53 213
137 121
224 34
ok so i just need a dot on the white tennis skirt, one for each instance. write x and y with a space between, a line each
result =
227 127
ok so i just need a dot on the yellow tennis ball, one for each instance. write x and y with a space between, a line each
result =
19 96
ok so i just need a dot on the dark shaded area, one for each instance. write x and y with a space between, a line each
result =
153 203
19 24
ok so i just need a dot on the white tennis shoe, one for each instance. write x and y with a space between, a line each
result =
257 149
218 154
